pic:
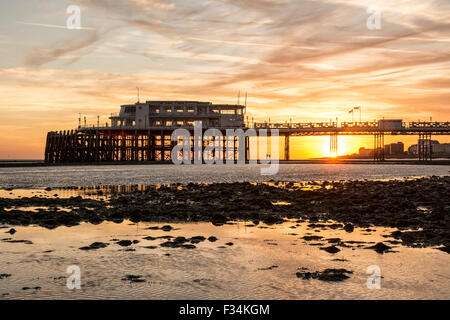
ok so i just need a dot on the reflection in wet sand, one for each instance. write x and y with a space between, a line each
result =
261 263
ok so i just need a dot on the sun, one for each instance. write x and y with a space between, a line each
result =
343 147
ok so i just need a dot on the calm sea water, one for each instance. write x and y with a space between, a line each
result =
38 177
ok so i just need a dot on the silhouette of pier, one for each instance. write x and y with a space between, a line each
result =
142 132
378 129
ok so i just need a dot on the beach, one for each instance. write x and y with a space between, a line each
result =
272 239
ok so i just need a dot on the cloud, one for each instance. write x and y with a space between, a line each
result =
41 56
303 59
152 4
52 25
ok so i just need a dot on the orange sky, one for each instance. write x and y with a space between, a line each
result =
305 60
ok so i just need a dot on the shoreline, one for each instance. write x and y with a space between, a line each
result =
417 207
40 163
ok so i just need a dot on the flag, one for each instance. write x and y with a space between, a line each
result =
356 108
351 111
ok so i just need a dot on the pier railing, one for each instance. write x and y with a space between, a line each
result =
369 126
349 125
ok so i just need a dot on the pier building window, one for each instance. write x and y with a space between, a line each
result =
228 111
130 109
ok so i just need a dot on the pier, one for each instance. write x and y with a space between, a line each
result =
142 133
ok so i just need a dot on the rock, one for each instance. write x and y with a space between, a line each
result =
229 243
19 241
331 249
95 246
445 248
180 240
394 241
306 275
218 219
166 228
188 246
334 275
48 189
170 244
268 268
312 238
124 243
4 275
396 234
340 260
165 237
334 240
11 231
197 239
212 239
326 275
133 278
380 247
349 227
272 219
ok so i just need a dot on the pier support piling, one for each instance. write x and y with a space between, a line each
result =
425 147
333 145
378 147
286 147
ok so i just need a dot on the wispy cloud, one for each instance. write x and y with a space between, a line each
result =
52 25
41 56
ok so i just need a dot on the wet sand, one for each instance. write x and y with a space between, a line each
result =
245 261
274 240
419 208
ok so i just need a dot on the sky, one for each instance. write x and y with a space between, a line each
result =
302 60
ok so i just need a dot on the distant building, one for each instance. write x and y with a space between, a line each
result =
441 149
437 149
394 149
363 152
414 149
